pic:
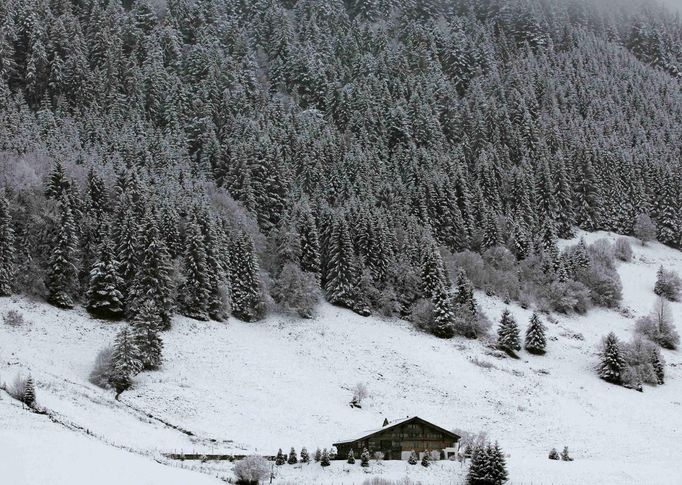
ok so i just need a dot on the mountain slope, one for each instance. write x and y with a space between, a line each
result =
287 382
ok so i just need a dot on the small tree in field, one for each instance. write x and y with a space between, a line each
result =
611 362
535 336
324 460
364 458
554 454
668 284
426 458
351 457
413 459
292 457
305 457
280 459
644 229
508 334
318 455
29 397
564 455
252 470
125 361
658 326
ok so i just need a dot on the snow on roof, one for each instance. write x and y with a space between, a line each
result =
364 434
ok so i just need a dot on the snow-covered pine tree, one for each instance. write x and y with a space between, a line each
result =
508 333
7 249
443 314
535 342
497 474
434 278
62 276
104 295
318 454
324 459
280 459
195 290
426 458
29 394
413 459
125 361
146 327
57 183
128 245
153 280
611 360
564 455
351 457
658 364
305 457
247 297
464 293
342 274
310 241
218 275
293 459
479 467
364 458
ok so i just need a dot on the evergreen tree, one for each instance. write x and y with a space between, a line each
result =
29 395
611 360
364 458
498 467
125 361
324 459
536 342
104 296
247 298
318 454
310 242
280 459
62 277
443 315
152 281
508 333
292 457
341 271
658 364
7 249
195 291
564 455
145 328
57 183
412 460
426 458
351 457
464 293
305 457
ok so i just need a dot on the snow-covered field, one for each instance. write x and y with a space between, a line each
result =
256 387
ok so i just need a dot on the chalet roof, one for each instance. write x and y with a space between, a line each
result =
391 424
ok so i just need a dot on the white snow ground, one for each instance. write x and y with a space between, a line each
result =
242 387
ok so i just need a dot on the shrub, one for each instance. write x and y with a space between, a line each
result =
567 296
554 454
658 326
470 324
252 470
604 285
564 455
644 228
297 290
602 253
642 363
668 284
359 393
13 318
622 250
421 314
101 372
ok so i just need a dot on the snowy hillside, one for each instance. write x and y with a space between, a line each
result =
239 387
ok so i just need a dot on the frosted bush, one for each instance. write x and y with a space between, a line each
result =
658 326
252 470
668 284
101 371
360 392
644 228
622 250
13 318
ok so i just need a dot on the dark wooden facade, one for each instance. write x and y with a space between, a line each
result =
396 440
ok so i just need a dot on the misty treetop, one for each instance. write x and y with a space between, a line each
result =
217 157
